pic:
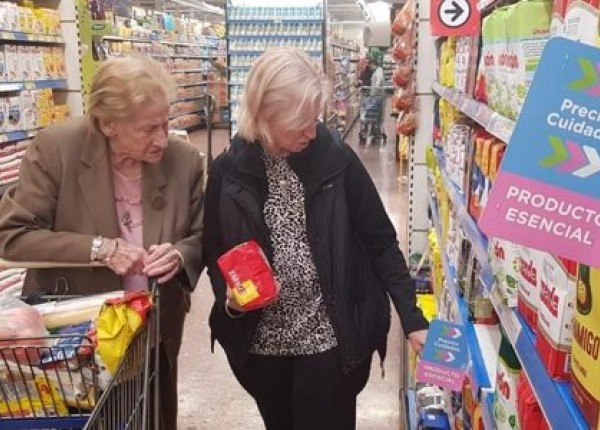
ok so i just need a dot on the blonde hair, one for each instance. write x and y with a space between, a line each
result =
123 85
282 82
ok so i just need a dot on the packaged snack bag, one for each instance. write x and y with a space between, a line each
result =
248 273
555 315
581 20
530 413
586 346
505 397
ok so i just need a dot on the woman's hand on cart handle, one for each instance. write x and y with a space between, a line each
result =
417 340
122 257
163 261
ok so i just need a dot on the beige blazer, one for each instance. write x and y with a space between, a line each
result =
65 197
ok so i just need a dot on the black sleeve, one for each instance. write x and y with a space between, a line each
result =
212 243
370 221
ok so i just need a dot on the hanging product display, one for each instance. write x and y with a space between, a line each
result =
404 52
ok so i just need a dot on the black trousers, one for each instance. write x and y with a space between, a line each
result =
308 392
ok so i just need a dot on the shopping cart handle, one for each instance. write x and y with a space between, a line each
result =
8 264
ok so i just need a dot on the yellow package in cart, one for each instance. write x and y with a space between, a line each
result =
28 397
585 348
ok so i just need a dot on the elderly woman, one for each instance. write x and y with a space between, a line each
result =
113 188
306 198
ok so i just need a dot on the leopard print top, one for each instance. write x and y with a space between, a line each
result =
297 323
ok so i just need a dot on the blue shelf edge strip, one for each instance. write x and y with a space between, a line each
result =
554 397
479 375
477 239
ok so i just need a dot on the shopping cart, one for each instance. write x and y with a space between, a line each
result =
72 394
372 108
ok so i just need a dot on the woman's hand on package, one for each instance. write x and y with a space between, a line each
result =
417 340
232 303
163 261
122 257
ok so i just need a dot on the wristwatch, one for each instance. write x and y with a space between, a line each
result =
96 244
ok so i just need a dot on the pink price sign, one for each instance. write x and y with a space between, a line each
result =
547 193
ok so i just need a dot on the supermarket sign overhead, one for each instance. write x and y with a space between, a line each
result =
454 18
547 194
445 357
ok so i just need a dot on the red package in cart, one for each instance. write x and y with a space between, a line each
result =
248 273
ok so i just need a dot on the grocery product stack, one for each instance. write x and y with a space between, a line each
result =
541 305
187 48
343 57
253 29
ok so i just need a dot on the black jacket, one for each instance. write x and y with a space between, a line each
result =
353 243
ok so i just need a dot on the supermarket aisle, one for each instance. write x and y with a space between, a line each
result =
210 396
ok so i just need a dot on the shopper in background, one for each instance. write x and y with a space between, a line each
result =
366 74
306 198
113 188
378 77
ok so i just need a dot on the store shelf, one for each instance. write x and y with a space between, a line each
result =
177 115
487 411
554 397
197 45
129 39
492 5
191 56
481 113
346 48
275 21
477 239
7 87
278 36
262 51
478 335
18 36
189 71
195 84
13 136
190 99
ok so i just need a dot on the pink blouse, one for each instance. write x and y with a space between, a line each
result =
128 200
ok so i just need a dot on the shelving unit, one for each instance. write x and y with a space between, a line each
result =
184 50
493 122
38 84
554 397
343 109
483 362
251 30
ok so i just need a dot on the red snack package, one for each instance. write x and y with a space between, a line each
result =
530 414
248 273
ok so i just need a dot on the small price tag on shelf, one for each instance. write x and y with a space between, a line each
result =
445 357
484 115
507 316
30 85
7 35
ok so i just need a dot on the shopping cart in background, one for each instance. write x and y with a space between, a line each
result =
73 393
372 108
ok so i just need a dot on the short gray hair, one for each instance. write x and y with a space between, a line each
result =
283 81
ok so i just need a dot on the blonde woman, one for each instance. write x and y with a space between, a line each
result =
304 195
113 187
